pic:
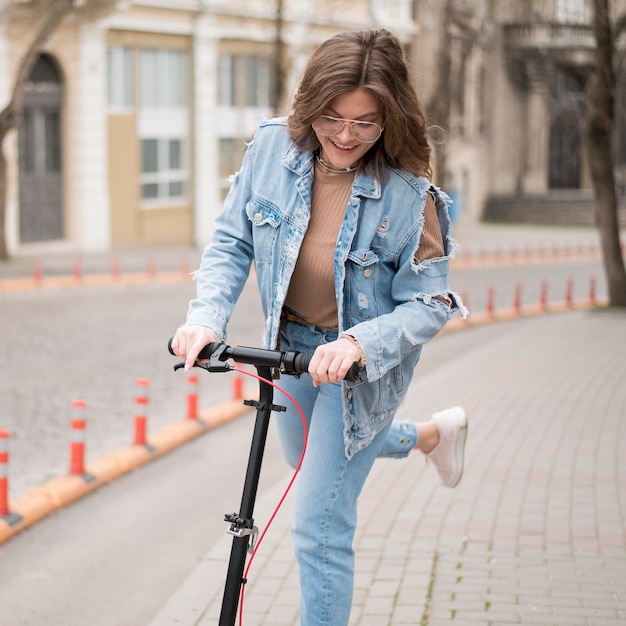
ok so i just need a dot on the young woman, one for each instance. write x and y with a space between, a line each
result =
350 244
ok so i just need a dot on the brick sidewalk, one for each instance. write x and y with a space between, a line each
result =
535 533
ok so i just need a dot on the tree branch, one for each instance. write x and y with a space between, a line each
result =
53 13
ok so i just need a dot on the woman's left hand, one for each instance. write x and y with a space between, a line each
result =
331 362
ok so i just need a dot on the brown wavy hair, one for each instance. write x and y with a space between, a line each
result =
371 59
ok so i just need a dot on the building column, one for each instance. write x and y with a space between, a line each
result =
92 219
207 200
11 219
536 136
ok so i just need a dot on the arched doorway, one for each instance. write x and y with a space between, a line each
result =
41 162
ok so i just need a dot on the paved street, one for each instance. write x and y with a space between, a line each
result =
62 342
534 534
93 343
536 531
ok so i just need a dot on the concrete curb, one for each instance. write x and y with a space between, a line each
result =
25 510
503 315
91 280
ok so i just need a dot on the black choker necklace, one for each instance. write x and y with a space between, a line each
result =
333 169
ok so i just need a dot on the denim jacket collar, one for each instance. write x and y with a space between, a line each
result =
300 161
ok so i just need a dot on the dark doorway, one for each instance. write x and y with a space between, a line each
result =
41 162
565 147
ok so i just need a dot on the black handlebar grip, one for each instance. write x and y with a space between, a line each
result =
293 362
301 363
205 353
208 350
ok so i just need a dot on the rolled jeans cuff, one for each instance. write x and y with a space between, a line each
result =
400 440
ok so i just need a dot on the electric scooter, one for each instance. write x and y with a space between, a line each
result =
214 358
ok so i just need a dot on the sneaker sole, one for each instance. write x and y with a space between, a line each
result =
459 450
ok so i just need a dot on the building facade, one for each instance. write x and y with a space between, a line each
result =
134 119
518 70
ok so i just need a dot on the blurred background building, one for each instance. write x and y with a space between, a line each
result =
134 120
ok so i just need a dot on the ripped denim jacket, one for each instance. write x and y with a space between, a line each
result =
385 299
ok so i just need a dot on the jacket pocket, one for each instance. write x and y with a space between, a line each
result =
362 276
265 221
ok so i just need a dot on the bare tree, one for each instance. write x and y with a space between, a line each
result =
459 28
47 16
600 106
438 107
280 61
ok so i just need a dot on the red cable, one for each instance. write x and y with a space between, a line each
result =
293 478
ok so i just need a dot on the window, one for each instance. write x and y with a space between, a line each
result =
258 83
163 78
571 11
52 129
244 81
153 83
40 142
163 171
120 77
226 84
163 126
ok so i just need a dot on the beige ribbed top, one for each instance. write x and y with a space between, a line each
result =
312 289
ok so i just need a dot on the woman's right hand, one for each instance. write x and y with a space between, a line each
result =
189 340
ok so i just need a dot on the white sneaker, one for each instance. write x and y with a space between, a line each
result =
448 455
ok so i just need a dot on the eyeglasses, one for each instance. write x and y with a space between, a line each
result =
365 132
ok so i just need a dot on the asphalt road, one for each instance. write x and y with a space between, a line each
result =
93 344
115 556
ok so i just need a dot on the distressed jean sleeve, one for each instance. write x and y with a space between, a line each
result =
421 290
226 261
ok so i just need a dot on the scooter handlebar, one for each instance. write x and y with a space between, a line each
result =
289 362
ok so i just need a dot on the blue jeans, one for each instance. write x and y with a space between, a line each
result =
329 484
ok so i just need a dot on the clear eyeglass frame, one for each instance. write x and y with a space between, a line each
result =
365 132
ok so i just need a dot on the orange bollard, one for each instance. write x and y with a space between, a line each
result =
4 472
78 269
141 418
569 294
490 303
184 265
592 291
517 299
237 388
556 251
37 273
151 267
192 397
115 267
77 445
543 298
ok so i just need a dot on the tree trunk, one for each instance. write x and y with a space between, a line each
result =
599 131
53 12
438 108
280 61
4 252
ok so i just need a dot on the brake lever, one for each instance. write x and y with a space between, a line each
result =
215 364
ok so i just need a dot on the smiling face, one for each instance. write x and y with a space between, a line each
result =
343 150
